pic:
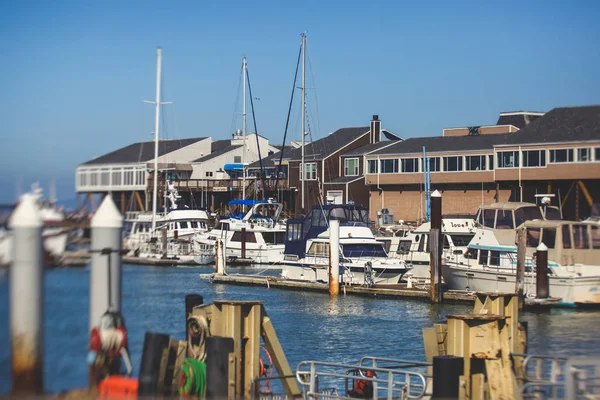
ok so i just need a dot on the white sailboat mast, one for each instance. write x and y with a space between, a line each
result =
303 171
156 128
244 66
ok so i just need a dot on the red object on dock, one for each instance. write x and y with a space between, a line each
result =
117 386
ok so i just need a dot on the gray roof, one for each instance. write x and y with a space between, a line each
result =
520 119
328 145
142 151
564 124
369 148
444 143
269 162
220 149
344 179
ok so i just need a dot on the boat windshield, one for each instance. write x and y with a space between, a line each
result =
527 213
553 214
363 250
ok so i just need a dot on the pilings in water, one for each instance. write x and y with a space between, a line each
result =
435 246
219 257
244 243
334 257
520 277
105 268
541 272
26 299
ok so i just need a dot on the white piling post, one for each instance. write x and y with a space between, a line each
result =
27 298
334 257
219 259
105 270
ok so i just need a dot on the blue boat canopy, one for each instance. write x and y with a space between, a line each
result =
233 167
248 203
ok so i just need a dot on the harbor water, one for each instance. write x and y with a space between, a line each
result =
310 326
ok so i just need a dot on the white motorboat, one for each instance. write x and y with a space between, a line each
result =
256 237
363 259
489 265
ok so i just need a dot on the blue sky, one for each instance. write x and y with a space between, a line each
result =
75 73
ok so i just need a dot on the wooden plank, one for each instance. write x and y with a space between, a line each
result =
430 342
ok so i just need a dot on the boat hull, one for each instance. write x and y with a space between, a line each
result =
352 274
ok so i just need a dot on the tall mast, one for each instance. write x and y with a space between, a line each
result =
156 127
303 171
244 131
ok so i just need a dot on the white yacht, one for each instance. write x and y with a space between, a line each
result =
55 234
255 237
414 247
489 265
363 259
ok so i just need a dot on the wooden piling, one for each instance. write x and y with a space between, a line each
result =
243 243
334 257
520 277
219 257
541 272
435 247
26 287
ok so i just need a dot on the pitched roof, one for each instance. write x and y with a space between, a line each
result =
369 148
220 150
142 151
444 143
520 119
269 162
563 124
328 145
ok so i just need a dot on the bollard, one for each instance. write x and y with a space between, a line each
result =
105 269
243 242
219 259
150 380
446 375
334 257
217 366
26 299
435 247
541 272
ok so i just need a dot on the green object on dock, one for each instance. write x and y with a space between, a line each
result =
195 378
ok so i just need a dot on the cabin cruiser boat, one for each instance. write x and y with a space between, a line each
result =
414 247
254 237
54 234
489 265
363 259
179 225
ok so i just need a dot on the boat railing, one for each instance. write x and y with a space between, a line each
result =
337 380
557 377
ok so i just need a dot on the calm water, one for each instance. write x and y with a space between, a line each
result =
309 325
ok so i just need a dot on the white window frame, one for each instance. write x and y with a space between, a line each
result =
376 162
540 152
569 160
462 166
310 174
356 167
515 152
590 154
596 152
483 165
402 162
396 165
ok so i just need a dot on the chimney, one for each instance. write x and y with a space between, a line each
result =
375 129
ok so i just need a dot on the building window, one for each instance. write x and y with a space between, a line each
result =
372 166
434 164
389 166
584 154
474 163
351 167
94 177
453 164
410 164
104 177
561 155
534 158
208 174
116 178
491 162
508 159
140 175
128 177
237 159
597 154
83 181
310 171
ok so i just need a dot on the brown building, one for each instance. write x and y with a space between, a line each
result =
523 155
324 172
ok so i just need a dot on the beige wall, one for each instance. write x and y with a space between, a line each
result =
436 177
483 130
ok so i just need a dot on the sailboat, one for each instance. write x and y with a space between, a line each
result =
169 236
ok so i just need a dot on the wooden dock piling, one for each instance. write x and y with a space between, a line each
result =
435 247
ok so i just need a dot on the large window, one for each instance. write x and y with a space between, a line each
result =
389 166
116 178
237 159
434 164
561 155
410 164
534 158
453 164
475 163
491 162
597 154
584 154
508 159
310 171
351 167
372 166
